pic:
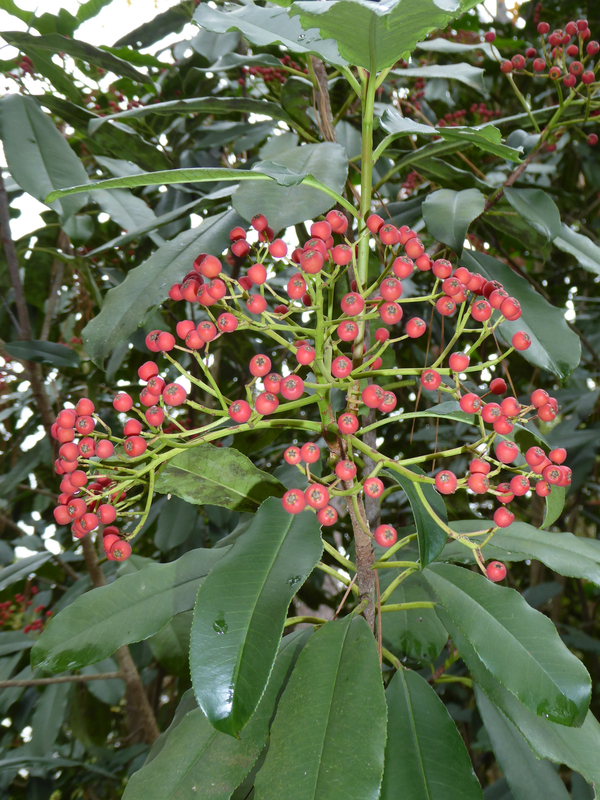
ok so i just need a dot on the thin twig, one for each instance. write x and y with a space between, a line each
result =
105 676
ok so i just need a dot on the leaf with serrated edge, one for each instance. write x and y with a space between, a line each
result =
518 645
194 756
219 476
93 627
424 754
240 612
334 691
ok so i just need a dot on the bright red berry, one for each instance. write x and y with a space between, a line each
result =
352 304
266 403
372 395
260 365
347 423
496 571
316 496
506 452
341 367
458 362
294 501
503 517
174 395
345 470
292 455
470 403
135 446
310 453
445 482
240 411
390 313
104 449
373 487
122 402
327 516
292 387
498 386
430 379
385 535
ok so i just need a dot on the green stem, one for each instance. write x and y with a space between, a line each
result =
408 606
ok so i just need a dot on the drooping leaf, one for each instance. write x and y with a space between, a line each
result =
416 633
54 43
554 346
448 215
376 36
527 776
430 536
424 754
266 26
175 523
519 646
463 72
90 9
42 352
334 691
555 503
285 205
219 476
585 251
573 556
240 612
128 305
537 208
130 609
206 105
22 568
193 756
48 717
487 138
170 21
38 156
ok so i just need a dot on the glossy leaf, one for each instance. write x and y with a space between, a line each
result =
205 105
465 73
430 536
585 251
441 45
48 717
448 215
334 691
266 26
537 208
41 352
240 612
518 645
54 43
417 633
171 645
555 503
219 476
22 568
376 36
287 205
127 210
128 305
527 776
194 757
38 156
554 346
487 138
130 609
573 556
170 21
425 756
445 174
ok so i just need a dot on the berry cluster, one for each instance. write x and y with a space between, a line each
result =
273 74
14 612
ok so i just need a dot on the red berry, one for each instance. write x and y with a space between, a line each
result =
478 483
227 322
278 248
592 139
217 289
445 482
511 407
193 341
347 330
414 248
327 516
305 355
260 365
373 487
430 379
554 73
388 235
547 413
521 341
341 255
506 452
345 470
135 446
491 412
66 418
518 61
132 427
385 535
292 455
403 267
347 423
496 571
207 265
237 233
535 456
122 402
165 341
294 501
174 394
273 383
539 64
341 367
445 306
481 310
78 478
442 268
259 222
61 515
423 262
155 416
390 313
503 517
120 551
558 455
543 28
352 304
374 223
151 341
388 403
207 330
458 362
311 262
89 522
149 369
382 335
104 449
316 496
240 411
107 513
470 403
337 220
84 407
292 387
182 328
519 485
372 395
310 453
256 304
87 447
542 489
506 67
266 403
391 289
68 451
489 36
592 48
479 465
539 398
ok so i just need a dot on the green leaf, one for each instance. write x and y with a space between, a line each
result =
376 36
424 754
538 208
430 536
447 175
335 691
448 214
206 105
193 756
22 568
219 476
554 346
267 26
48 717
130 609
127 210
585 251
175 523
518 645
171 645
573 556
285 205
110 691
41 352
465 73
440 45
38 156
237 60
527 776
240 612
555 502
417 633
487 138
54 43
91 9
128 305
578 748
